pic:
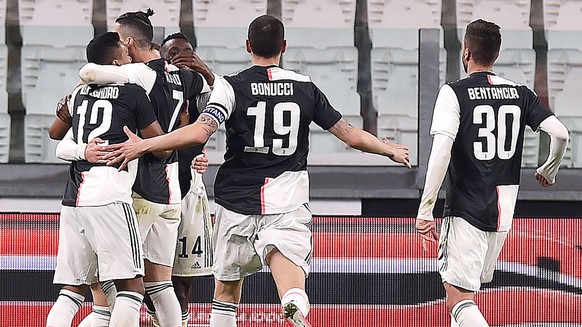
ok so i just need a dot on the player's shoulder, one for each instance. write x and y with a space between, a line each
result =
278 73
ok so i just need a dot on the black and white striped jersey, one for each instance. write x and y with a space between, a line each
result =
158 180
267 111
102 112
486 115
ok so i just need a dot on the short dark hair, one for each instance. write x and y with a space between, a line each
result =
483 38
139 25
103 49
174 36
266 35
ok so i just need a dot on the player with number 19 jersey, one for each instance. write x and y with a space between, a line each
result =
102 112
486 115
267 111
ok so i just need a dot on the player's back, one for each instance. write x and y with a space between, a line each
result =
268 138
102 111
486 156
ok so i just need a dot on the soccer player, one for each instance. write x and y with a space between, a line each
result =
193 249
157 190
87 212
262 189
478 130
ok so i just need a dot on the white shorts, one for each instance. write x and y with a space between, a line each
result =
242 242
103 238
158 227
467 255
194 247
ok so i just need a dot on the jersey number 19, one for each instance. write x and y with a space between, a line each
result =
287 131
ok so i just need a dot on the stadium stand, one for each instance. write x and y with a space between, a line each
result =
394 26
53 51
562 25
221 44
324 49
4 117
166 19
516 61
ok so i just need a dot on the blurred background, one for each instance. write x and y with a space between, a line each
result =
380 63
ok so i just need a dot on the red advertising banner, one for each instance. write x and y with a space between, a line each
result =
365 272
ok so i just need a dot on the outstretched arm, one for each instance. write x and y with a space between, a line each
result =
191 135
546 173
359 139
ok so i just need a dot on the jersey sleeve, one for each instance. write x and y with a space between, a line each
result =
222 101
324 115
194 83
536 111
135 73
144 111
447 112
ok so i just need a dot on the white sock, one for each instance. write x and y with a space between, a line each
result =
64 309
168 310
126 310
223 314
87 321
299 298
185 316
101 316
110 291
467 314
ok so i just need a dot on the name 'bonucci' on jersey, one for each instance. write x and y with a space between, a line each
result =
267 112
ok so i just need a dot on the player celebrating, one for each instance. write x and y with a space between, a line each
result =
87 212
478 130
193 249
262 188
156 191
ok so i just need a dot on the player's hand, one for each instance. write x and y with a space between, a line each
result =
542 180
125 152
428 232
95 151
62 111
190 60
200 163
399 154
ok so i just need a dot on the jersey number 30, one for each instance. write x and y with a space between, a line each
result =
489 145
289 129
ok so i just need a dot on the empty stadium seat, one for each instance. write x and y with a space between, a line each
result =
4 137
562 28
166 18
221 42
56 23
3 79
38 146
394 29
324 50
2 21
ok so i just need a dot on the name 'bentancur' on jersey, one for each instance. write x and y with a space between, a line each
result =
492 93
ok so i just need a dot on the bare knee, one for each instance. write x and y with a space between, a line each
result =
132 285
456 294
228 291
